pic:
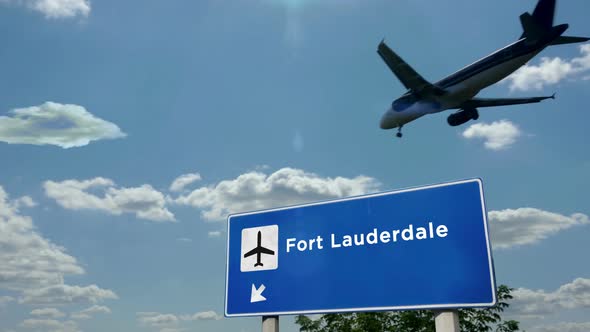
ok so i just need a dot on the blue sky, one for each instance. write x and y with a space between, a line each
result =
129 129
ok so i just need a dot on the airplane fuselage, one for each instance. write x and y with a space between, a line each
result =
467 82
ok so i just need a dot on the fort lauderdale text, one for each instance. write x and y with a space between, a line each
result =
409 233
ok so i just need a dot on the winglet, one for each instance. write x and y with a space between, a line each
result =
553 95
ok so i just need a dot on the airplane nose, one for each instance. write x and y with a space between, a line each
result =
387 120
382 122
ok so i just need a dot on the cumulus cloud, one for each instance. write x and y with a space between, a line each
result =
563 327
203 315
25 201
35 268
156 319
170 322
79 316
58 294
50 325
257 190
539 303
497 135
184 180
63 125
144 201
517 227
550 71
55 8
48 312
27 260
89 312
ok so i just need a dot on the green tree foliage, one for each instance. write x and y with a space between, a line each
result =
470 320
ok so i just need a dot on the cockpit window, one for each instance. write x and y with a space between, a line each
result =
403 103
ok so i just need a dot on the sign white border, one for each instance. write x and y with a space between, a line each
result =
388 308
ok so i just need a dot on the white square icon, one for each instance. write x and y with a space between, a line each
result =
260 248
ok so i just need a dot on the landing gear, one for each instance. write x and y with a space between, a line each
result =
399 132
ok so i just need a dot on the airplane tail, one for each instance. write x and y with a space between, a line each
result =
540 24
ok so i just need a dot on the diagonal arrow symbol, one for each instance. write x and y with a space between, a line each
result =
256 295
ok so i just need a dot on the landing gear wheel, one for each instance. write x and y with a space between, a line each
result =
399 131
399 135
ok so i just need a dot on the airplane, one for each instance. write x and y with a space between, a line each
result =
458 91
258 251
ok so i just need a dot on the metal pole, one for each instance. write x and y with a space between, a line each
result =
270 323
446 321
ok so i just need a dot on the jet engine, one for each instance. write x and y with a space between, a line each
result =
460 117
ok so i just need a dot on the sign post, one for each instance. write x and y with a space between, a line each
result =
417 248
270 323
446 321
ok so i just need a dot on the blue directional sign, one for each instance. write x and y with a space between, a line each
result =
417 248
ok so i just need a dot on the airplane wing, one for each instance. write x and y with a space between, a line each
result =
266 251
491 102
261 250
406 74
251 252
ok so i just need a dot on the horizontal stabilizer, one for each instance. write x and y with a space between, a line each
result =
491 102
569 40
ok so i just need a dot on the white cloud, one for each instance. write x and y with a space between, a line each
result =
550 71
89 312
203 315
214 234
25 201
55 8
498 135
48 312
184 239
144 201
50 325
257 190
184 180
79 316
97 309
34 266
524 226
156 319
57 294
539 303
563 327
27 260
51 123
170 322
